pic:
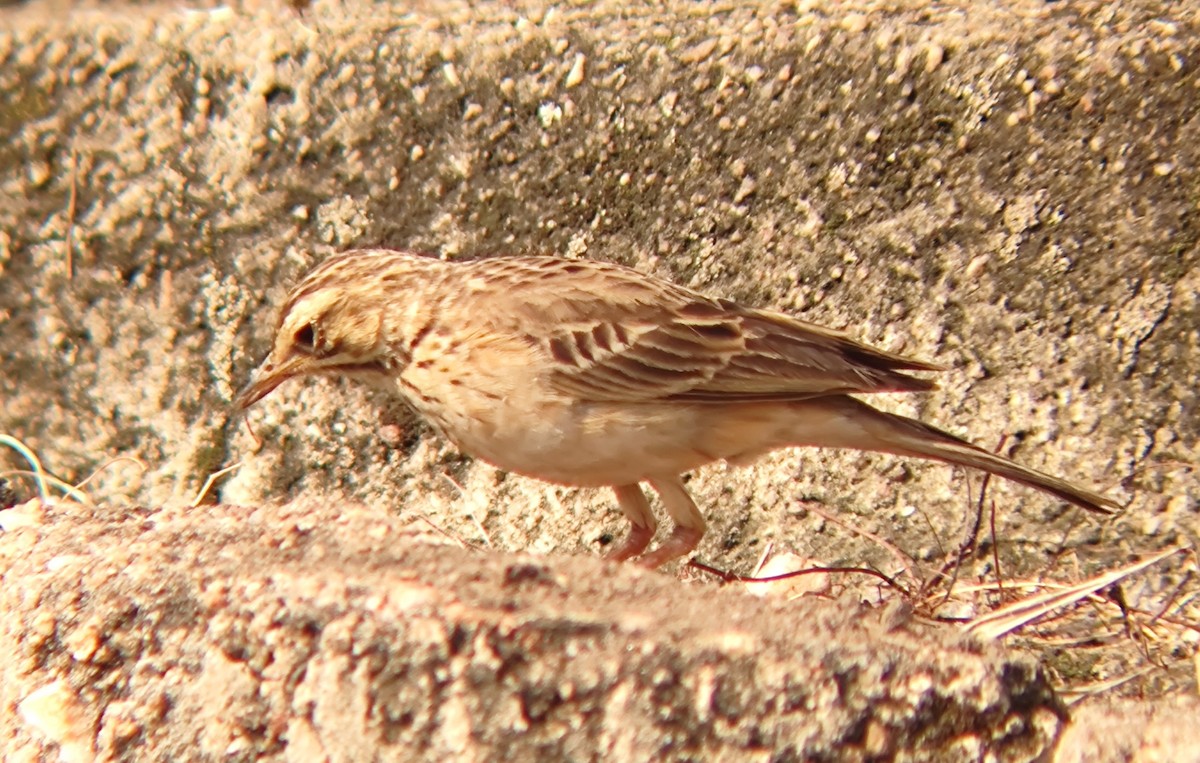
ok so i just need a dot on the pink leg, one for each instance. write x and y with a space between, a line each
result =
636 508
689 523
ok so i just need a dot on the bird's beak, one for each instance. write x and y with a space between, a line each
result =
267 377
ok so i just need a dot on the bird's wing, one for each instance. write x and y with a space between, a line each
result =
616 335
716 351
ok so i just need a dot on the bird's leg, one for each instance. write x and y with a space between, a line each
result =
689 523
636 508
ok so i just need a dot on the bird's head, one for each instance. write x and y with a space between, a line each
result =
332 323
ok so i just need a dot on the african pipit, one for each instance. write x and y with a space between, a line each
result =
587 374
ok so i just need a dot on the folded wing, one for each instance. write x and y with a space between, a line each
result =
717 350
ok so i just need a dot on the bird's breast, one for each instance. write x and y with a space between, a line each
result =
495 401
580 444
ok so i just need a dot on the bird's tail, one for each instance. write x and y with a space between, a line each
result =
863 427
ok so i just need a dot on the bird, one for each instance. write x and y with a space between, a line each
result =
586 373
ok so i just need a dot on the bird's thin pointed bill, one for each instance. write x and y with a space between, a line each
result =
265 379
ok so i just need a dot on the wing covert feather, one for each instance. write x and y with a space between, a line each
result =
738 354
617 335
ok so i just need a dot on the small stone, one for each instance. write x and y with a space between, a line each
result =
392 435
855 23
576 75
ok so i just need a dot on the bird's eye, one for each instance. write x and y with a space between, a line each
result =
305 338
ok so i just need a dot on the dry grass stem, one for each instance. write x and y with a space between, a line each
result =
72 200
907 564
1080 692
1005 620
41 477
212 479
142 465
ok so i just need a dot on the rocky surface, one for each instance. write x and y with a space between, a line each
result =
329 632
1164 729
1008 190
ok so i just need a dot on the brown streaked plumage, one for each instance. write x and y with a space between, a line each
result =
591 374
